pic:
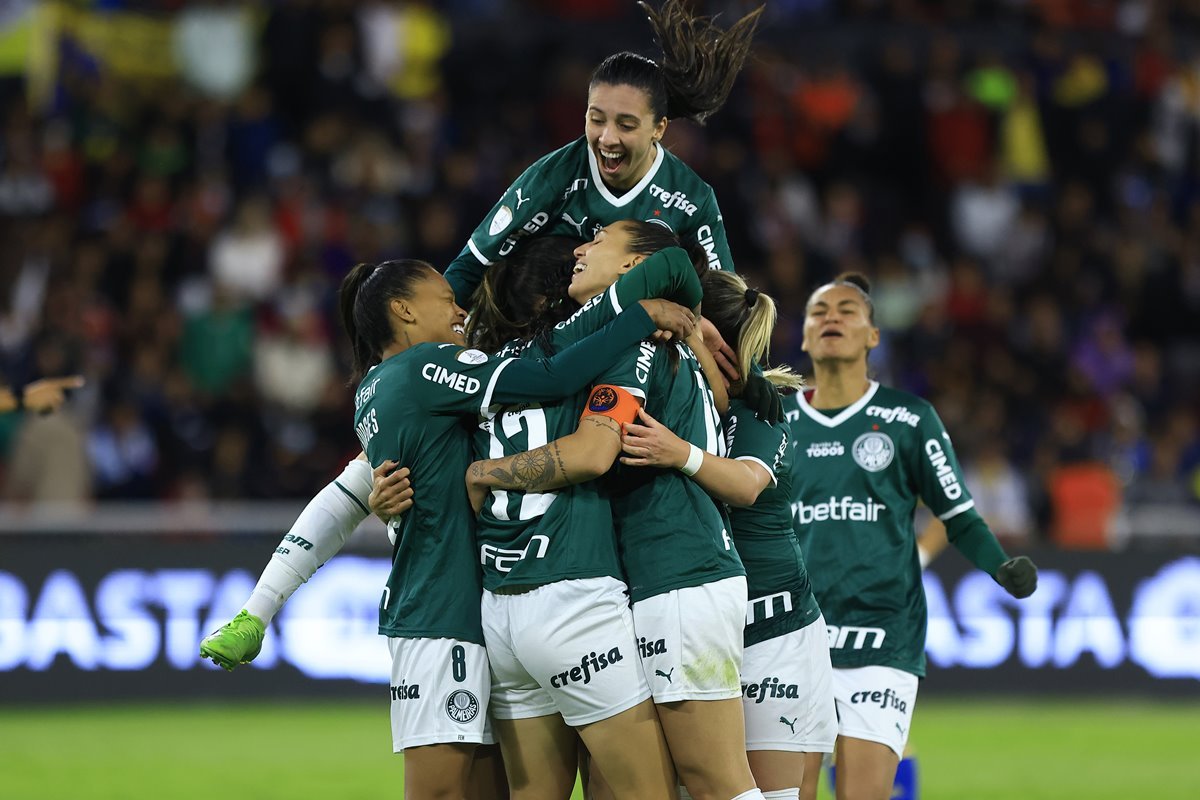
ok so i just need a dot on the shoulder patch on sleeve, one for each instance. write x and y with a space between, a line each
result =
471 356
501 220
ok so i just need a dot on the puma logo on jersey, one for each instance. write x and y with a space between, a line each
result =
658 673
521 200
791 723
578 226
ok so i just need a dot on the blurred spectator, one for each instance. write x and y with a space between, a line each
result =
214 46
246 259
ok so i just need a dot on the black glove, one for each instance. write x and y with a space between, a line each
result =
1018 576
762 396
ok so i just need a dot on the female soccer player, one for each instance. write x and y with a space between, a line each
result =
619 169
787 679
557 625
865 454
417 381
686 582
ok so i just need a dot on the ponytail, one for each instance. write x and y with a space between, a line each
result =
699 63
363 300
746 316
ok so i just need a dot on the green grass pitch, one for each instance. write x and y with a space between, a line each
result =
976 749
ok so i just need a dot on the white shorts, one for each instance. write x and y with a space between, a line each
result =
440 690
691 640
564 648
876 704
787 692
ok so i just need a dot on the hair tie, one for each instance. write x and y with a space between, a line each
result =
751 297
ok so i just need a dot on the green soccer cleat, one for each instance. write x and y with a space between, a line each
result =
236 642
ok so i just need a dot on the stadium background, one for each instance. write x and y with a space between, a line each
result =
182 185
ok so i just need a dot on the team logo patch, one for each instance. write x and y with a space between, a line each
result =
873 451
462 706
471 357
503 218
603 399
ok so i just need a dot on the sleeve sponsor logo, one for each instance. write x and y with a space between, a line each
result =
603 399
894 414
941 467
500 222
436 373
873 451
704 235
474 357
533 226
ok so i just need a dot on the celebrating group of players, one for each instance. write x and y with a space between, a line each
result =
604 530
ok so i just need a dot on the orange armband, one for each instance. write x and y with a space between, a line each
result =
612 402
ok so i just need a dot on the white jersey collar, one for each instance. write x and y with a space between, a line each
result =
629 196
843 415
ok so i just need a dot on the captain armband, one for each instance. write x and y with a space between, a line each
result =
612 402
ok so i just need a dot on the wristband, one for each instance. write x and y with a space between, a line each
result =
694 460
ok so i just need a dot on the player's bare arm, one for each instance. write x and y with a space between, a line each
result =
581 456
652 444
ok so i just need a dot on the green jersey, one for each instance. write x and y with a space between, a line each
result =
671 533
781 597
562 193
410 409
860 472
530 539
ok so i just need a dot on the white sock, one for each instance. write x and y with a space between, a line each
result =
317 535
783 794
753 794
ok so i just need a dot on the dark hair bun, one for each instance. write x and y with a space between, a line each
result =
855 279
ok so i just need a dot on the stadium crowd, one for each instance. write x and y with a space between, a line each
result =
1020 179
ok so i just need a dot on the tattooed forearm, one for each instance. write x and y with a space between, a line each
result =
533 471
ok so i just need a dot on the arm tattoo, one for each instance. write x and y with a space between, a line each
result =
531 471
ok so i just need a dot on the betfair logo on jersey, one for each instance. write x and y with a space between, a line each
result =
589 665
770 688
504 560
894 414
704 235
886 699
837 510
673 199
651 647
945 472
406 692
823 449
364 394
457 382
840 636
760 608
